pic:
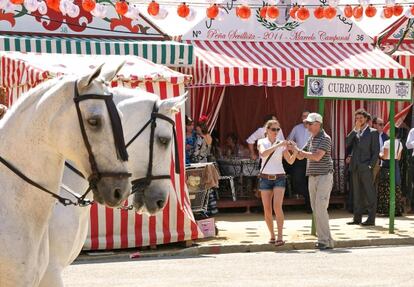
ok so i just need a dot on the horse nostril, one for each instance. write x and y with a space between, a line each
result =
160 203
117 193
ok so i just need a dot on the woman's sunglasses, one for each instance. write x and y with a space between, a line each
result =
275 129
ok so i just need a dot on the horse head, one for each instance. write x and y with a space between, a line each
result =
93 139
150 130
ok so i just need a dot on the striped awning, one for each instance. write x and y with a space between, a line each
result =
286 64
405 56
168 53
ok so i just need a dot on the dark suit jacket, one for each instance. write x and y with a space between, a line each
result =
365 150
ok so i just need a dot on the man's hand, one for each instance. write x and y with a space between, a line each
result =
357 126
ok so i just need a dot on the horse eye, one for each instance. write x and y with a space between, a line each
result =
164 140
94 122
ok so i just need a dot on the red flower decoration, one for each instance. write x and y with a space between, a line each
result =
203 119
124 22
74 24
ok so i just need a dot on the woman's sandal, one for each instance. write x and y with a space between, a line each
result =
272 241
279 243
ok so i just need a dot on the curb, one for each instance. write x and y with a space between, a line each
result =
240 248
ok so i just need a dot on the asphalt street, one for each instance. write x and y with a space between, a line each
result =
391 266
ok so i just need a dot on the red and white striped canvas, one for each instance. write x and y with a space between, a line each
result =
113 228
286 64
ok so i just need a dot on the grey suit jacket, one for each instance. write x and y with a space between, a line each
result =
365 150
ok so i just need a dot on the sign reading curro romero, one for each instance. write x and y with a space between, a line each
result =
320 87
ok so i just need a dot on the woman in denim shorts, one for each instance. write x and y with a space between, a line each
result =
272 179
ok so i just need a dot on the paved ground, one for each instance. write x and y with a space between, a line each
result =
250 228
241 232
391 266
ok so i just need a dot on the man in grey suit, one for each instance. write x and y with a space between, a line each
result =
365 150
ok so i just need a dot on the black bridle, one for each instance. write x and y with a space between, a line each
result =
96 175
142 183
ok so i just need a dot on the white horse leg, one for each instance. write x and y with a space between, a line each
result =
52 277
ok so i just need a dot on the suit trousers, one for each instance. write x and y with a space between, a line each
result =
365 196
300 180
320 188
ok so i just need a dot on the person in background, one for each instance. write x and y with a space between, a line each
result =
300 135
384 178
231 146
3 110
259 134
319 168
365 150
272 179
204 141
410 145
190 139
378 124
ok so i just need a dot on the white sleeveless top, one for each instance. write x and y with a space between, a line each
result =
274 166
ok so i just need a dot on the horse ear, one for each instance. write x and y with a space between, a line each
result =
87 79
109 72
172 105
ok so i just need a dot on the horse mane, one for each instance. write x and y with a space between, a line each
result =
31 96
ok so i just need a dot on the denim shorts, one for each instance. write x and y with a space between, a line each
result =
266 184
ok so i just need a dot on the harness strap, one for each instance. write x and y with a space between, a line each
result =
62 200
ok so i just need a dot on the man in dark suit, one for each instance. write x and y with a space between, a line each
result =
365 150
378 124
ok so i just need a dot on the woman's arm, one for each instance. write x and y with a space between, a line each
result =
290 158
384 153
266 152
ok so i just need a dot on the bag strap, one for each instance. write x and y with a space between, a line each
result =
268 158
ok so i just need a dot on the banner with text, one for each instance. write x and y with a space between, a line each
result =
347 88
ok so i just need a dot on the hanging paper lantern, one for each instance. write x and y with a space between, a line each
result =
293 10
183 10
153 8
370 11
358 12
398 10
348 11
412 10
318 12
17 2
244 12
30 5
99 11
303 13
88 5
387 12
42 8
121 7
212 11
73 10
53 4
273 12
263 12
329 12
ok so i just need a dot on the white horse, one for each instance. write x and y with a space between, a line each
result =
69 225
39 132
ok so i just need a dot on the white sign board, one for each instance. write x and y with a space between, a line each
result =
283 29
347 88
16 20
